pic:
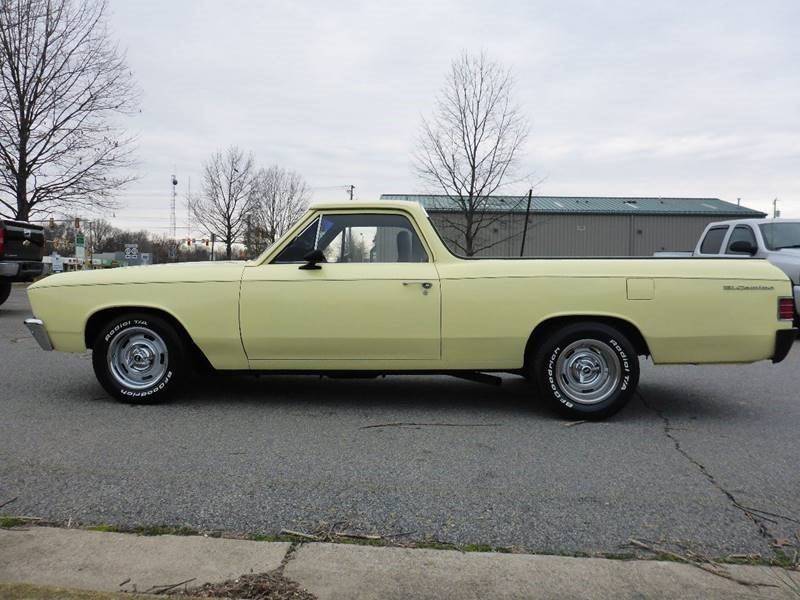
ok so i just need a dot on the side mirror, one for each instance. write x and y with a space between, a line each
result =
312 258
743 247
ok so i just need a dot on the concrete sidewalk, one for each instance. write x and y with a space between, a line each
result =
114 562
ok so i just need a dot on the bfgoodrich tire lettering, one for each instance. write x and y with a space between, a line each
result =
586 370
139 358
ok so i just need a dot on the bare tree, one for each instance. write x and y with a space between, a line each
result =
224 205
101 232
280 197
469 148
63 86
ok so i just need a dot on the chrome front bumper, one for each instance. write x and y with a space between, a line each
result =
39 333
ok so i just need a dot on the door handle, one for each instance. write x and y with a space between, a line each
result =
426 285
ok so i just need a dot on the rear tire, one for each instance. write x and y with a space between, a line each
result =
139 358
5 291
586 370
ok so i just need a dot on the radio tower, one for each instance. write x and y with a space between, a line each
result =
172 223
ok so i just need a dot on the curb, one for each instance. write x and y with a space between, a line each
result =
119 562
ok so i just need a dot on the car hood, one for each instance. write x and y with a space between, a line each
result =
167 273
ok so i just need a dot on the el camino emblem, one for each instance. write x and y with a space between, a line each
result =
747 288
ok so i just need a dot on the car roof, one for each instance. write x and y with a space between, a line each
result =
368 204
752 222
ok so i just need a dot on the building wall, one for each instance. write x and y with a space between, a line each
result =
583 234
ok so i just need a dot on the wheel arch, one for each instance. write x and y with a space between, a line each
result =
546 326
101 316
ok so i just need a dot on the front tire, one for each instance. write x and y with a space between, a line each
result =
586 370
139 358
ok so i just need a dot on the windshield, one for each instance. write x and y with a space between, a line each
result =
781 235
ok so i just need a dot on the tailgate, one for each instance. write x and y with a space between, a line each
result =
22 241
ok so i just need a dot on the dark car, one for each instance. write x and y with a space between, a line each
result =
21 249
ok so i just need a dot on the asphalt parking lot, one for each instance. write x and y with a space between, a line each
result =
706 458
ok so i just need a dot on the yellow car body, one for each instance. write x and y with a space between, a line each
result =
472 314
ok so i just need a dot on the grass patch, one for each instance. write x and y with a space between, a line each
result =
263 537
162 530
105 528
149 530
782 559
9 522
484 548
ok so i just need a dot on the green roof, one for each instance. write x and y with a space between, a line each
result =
604 205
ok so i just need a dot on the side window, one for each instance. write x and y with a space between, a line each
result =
712 243
379 238
741 233
299 246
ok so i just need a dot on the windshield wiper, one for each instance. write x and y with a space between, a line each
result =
790 246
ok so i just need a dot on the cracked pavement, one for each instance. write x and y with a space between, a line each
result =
704 458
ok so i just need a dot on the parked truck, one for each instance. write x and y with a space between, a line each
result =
21 249
776 240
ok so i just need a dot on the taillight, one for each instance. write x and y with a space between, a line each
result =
786 309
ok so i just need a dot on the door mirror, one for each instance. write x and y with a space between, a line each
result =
312 258
743 247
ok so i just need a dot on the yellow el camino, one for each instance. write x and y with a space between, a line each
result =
369 288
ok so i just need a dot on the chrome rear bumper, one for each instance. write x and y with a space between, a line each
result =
9 269
39 333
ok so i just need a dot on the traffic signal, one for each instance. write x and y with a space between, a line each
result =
206 242
188 241
77 223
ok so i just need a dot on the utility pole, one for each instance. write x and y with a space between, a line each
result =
213 239
351 189
172 223
189 207
775 212
525 227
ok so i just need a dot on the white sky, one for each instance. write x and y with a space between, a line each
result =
657 98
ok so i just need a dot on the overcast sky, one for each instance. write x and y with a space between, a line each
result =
657 98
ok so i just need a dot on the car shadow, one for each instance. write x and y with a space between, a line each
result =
408 392
515 397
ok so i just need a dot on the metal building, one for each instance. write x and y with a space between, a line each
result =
584 226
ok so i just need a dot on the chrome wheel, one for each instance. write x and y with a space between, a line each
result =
137 358
588 371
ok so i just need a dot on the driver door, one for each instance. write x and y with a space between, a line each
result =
375 298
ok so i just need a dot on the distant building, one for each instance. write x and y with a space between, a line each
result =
585 226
